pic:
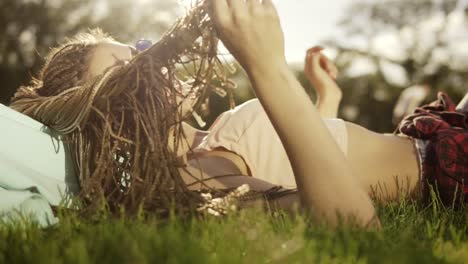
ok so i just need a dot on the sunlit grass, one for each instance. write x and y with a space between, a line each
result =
410 234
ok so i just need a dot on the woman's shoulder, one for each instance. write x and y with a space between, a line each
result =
244 112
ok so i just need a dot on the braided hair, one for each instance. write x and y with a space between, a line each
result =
118 125
65 66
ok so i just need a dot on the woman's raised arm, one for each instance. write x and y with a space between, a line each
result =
322 73
251 31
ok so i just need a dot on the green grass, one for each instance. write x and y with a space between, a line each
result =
410 234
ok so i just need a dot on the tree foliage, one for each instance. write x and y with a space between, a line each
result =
28 28
418 41
430 37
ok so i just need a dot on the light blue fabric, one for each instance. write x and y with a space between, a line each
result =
16 205
35 168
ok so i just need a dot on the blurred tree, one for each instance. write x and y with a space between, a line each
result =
390 45
28 28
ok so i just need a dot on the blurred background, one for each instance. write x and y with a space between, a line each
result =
383 48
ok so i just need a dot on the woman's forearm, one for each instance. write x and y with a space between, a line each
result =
328 105
322 73
323 176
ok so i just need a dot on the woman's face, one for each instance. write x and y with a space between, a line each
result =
110 54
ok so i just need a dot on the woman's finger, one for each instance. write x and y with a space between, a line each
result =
307 63
324 63
221 11
236 6
330 67
334 70
315 49
268 4
253 4
315 60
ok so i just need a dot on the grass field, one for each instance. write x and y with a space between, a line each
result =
410 234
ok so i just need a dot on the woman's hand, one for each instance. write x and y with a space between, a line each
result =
322 73
318 68
251 31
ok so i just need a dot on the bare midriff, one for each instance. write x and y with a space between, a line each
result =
386 165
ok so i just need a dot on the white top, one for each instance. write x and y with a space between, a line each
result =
247 131
35 156
35 168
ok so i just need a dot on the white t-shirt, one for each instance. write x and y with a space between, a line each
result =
247 131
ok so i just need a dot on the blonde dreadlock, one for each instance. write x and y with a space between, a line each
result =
117 125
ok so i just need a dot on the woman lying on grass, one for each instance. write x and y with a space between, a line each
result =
127 134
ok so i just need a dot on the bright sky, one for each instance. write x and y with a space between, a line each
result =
307 22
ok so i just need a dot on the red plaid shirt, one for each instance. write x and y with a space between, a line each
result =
446 130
